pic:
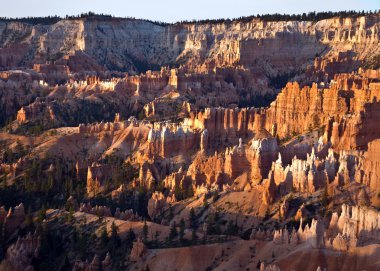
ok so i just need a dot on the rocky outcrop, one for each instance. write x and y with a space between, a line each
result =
269 267
297 110
301 175
260 234
12 219
21 254
72 203
97 210
264 151
224 125
245 164
107 263
15 92
37 110
166 140
356 226
97 178
137 251
300 109
318 171
95 265
368 168
357 130
312 235
157 204
106 126
104 211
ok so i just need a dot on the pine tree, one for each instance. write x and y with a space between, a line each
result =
173 232
182 229
41 215
325 197
114 240
171 214
232 229
205 203
131 235
190 192
145 232
193 219
104 238
70 215
28 218
156 237
194 236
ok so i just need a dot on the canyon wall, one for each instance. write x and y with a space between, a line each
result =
285 45
298 109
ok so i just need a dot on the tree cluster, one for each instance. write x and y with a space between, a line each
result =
311 16
276 17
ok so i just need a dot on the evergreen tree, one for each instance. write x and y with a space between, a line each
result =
70 215
104 238
145 232
178 192
41 215
325 197
173 232
194 236
193 219
28 218
182 229
205 203
232 228
131 236
114 240
156 235
171 215
190 191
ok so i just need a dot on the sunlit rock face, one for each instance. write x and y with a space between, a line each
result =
355 226
357 130
299 109
97 178
166 141
286 45
368 170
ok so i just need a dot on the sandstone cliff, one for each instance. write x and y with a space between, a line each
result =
280 46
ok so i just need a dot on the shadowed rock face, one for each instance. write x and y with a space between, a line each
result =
12 220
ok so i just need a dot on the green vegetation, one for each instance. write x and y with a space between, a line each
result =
182 193
311 16
145 231
232 228
214 223
257 100
62 243
173 231
12 155
373 63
